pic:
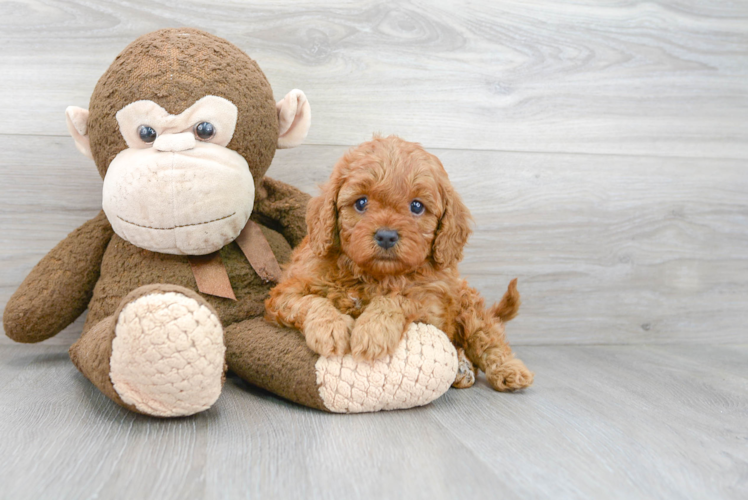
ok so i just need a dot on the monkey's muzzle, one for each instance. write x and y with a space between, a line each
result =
178 200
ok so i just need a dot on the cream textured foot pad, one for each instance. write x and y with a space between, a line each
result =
167 355
421 369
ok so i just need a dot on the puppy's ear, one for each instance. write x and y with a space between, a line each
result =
453 230
322 220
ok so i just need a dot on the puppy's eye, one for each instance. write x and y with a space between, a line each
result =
417 207
205 131
146 134
360 204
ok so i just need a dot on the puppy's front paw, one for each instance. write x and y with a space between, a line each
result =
329 336
509 376
375 338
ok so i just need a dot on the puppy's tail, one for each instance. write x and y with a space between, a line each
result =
508 308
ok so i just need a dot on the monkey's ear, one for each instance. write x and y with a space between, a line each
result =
294 119
77 121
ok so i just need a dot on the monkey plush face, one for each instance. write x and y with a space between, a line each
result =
177 188
182 127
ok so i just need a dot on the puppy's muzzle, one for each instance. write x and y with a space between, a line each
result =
386 238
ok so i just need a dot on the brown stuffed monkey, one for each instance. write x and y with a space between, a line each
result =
174 270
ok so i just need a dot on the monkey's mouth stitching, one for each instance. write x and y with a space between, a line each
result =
175 227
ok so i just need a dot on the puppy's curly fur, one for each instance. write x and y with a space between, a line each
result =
347 290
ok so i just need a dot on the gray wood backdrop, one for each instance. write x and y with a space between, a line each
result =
603 150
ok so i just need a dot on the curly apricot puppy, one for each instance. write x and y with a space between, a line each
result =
384 241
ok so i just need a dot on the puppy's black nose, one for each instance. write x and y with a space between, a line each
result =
386 238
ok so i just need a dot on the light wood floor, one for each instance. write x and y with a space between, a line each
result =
601 422
603 150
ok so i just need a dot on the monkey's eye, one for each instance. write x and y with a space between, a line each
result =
147 134
205 131
360 204
416 207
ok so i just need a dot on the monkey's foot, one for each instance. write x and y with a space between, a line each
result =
419 371
168 354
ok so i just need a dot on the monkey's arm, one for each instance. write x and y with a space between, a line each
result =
283 208
59 288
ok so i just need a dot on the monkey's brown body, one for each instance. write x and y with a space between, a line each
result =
126 267
51 296
183 127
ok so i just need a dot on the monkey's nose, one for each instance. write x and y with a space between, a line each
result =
175 142
386 238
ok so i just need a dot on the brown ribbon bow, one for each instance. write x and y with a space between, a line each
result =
210 273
